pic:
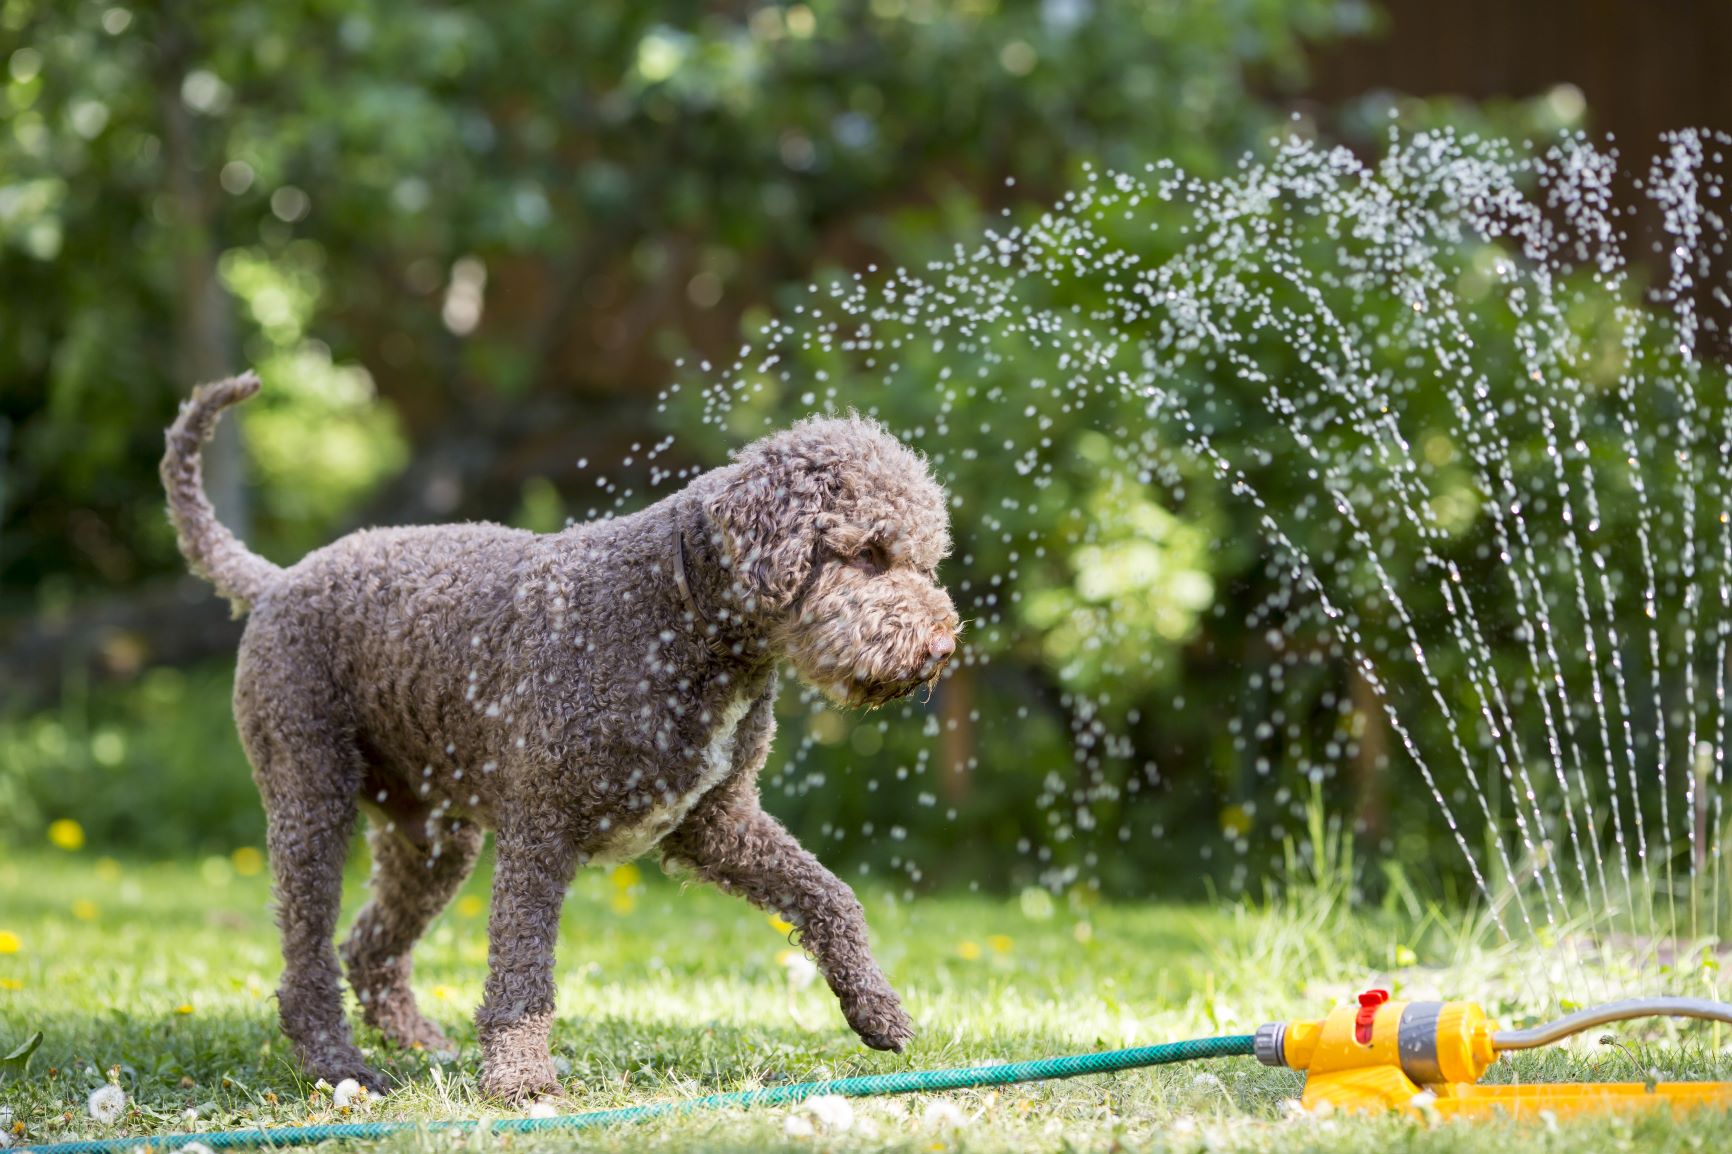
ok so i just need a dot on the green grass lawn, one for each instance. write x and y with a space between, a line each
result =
161 976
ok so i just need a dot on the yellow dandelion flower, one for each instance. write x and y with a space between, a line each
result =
622 902
10 943
11 984
248 861
780 926
108 869
443 993
625 876
67 834
470 906
184 1008
1000 943
84 910
968 951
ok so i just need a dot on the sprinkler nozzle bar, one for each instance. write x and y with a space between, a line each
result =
1545 1035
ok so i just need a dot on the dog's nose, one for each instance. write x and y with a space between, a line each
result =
941 645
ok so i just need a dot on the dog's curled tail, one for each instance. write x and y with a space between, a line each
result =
214 553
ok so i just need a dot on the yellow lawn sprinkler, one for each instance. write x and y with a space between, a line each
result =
1421 1056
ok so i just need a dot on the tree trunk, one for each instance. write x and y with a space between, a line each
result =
955 709
1371 765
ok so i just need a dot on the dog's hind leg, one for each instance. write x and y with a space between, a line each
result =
308 771
415 874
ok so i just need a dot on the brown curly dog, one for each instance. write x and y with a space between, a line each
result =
589 695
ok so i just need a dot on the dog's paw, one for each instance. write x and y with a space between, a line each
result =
519 1077
522 1087
338 1069
878 1017
515 1064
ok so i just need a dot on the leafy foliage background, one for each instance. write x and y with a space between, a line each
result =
463 245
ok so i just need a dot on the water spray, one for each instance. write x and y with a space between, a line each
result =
1373 1057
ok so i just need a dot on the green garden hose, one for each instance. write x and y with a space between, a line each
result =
871 1085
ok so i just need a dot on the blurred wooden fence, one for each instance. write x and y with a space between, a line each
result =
1644 66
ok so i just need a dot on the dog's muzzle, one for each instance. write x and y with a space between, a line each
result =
938 653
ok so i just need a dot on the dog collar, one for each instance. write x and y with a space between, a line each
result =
711 637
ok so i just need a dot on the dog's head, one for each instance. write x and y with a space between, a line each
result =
834 530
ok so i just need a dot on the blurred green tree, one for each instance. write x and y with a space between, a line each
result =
491 216
463 243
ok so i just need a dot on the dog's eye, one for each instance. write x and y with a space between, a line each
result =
872 559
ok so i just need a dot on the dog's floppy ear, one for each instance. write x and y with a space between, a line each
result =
771 514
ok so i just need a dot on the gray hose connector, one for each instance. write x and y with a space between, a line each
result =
1269 1044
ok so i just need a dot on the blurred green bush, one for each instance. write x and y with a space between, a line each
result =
152 768
463 247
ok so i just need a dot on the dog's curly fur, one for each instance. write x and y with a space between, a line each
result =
564 691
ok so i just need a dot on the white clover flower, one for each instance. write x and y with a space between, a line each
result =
542 1108
348 1093
798 1126
941 1115
832 1113
800 970
107 1104
196 1148
5 1138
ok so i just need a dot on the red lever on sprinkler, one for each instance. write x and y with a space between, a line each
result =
1368 1003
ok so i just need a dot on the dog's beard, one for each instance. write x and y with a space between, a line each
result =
857 688
864 641
871 695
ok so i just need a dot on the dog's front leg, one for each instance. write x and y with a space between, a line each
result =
732 843
529 882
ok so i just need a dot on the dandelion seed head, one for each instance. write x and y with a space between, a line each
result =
941 1115
348 1093
107 1104
831 1113
799 969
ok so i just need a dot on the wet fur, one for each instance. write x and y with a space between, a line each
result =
558 690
